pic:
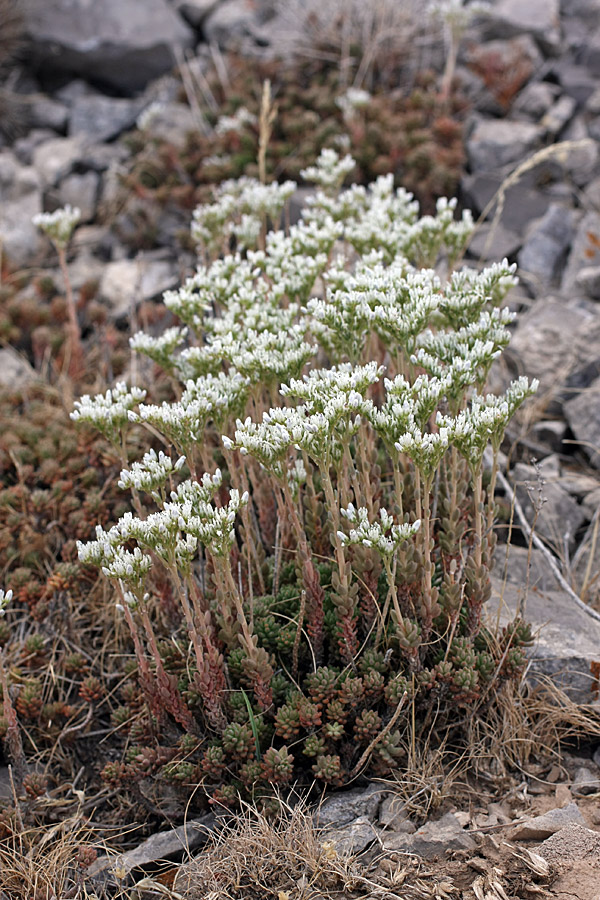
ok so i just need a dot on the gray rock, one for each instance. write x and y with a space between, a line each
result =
590 56
127 282
493 242
567 638
353 837
100 157
585 782
583 415
546 246
54 159
588 279
231 21
574 80
592 107
559 517
341 808
433 839
518 568
393 815
585 250
564 328
580 163
15 371
536 99
590 505
596 756
541 827
521 203
20 200
102 118
48 113
495 143
550 432
160 846
559 115
540 18
171 122
124 45
24 147
81 191
196 11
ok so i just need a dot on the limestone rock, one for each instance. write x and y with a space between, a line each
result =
546 245
585 782
521 204
15 371
127 282
353 837
563 327
540 18
495 143
433 839
559 517
171 122
54 159
583 415
123 45
230 21
20 200
588 279
541 827
101 118
80 191
344 807
195 11
567 638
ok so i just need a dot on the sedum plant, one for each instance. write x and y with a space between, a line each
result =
319 508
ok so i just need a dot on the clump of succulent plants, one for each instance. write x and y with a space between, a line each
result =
412 132
316 530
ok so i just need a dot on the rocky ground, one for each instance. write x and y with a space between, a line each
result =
531 72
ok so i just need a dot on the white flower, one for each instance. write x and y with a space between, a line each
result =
109 412
383 535
58 225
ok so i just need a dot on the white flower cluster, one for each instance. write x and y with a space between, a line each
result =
485 420
5 598
147 115
320 386
214 526
383 535
242 118
58 225
351 101
457 13
469 291
407 405
209 398
425 448
329 170
109 413
106 552
172 533
239 211
151 473
159 349
265 357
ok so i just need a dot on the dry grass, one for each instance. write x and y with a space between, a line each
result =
255 857
46 864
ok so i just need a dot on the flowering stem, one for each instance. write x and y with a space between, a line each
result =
335 516
76 362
